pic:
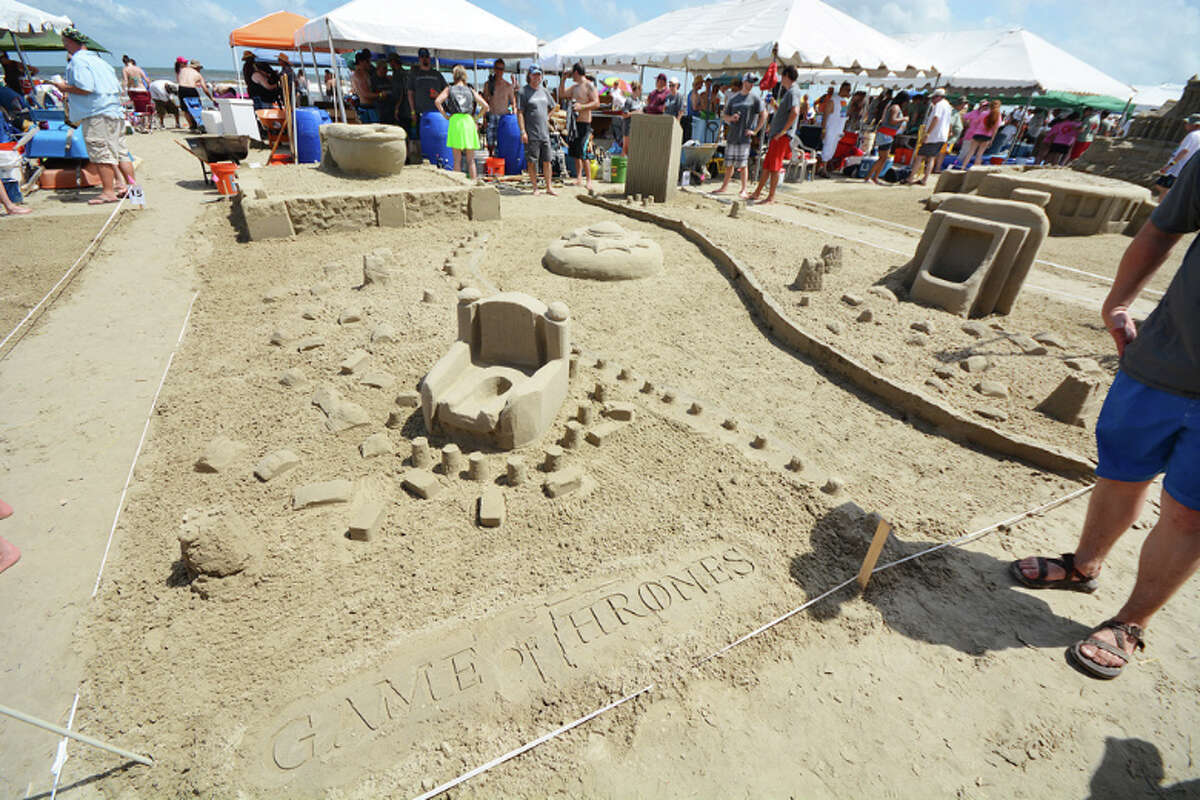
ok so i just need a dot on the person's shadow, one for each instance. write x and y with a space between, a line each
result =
1133 768
956 597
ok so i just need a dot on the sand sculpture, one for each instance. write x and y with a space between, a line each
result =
364 149
655 146
975 254
604 252
504 379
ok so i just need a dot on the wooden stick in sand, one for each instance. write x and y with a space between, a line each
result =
881 533
79 737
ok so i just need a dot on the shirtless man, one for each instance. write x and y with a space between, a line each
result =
191 84
501 97
584 98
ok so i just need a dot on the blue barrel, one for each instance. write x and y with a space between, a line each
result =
308 135
509 145
434 128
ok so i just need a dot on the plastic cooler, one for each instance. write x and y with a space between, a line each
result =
509 145
237 117
308 134
210 118
433 129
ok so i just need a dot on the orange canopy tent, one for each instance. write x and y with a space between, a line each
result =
275 32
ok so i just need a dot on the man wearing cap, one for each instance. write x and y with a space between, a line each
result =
673 105
534 104
363 86
779 134
1179 159
501 95
937 131
745 114
398 99
657 98
14 71
424 85
96 106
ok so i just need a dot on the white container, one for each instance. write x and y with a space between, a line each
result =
237 117
211 120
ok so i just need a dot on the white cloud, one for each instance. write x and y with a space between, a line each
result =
890 16
1158 45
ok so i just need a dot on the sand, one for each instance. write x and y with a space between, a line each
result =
302 180
331 667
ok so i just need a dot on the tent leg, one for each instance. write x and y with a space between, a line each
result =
236 70
337 74
21 56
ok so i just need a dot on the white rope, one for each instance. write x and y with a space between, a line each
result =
60 756
466 776
141 441
66 275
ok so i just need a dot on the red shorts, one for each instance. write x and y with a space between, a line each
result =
778 152
1078 148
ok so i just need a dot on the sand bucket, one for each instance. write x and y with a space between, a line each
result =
617 171
225 174
493 166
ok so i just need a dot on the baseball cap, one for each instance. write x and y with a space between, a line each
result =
662 76
535 69
939 92
1193 119
423 52
750 76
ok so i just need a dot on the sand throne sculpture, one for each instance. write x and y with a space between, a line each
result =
504 379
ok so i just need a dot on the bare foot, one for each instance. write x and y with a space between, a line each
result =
552 192
19 210
102 199
766 202
9 554
536 192
719 191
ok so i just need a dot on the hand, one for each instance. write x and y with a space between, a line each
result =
60 85
1121 327
737 115
524 137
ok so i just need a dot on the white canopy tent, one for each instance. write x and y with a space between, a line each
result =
1012 59
750 34
1149 98
21 18
561 52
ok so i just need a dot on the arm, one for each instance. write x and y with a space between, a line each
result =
412 103
481 103
762 120
441 98
521 123
1145 254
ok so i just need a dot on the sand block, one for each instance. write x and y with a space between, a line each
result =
366 517
603 432
275 464
923 325
378 267
1029 346
944 371
316 494
852 299
975 363
219 454
991 389
215 542
354 362
408 399
1050 340
293 377
350 315
377 444
866 315
994 414
655 144
1084 364
563 482
1076 401
310 312
810 277
1032 196
976 330
340 414
619 411
831 256
834 326
491 507
422 483
279 338
266 219
378 379
310 343
483 203
883 358
320 289
884 293
383 333
390 211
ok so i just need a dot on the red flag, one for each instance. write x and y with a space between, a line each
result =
770 79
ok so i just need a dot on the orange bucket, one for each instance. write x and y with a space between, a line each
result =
281 158
494 166
225 173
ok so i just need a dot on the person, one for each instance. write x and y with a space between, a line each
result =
856 112
287 71
937 130
96 106
805 110
957 125
424 84
833 122
10 192
634 104
673 105
658 97
9 554
191 84
501 96
584 98
745 114
892 122
1006 134
779 134
302 88
381 85
166 101
361 85
879 106
1149 424
1086 135
460 104
13 107
133 77
329 84
1179 158
14 72
533 117
1062 139
982 124
697 105
247 68
262 88
398 92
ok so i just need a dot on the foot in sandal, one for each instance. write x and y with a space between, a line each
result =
1107 649
1039 572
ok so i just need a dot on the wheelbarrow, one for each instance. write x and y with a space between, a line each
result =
694 158
211 148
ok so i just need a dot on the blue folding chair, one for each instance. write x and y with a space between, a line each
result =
193 106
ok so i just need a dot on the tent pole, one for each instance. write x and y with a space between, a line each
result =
337 74
236 70
21 56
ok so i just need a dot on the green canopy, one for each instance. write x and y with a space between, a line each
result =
1068 100
46 41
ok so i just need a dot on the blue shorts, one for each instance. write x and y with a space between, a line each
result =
1144 431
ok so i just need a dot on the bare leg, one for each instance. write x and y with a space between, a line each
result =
774 182
625 146
548 172
470 156
725 183
1170 555
108 173
9 554
533 176
12 208
745 174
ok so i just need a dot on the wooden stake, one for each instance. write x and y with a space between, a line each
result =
881 533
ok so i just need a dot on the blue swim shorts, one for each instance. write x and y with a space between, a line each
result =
1144 431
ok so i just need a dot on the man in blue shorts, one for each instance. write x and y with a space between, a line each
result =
1150 424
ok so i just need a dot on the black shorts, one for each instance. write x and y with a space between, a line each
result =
931 149
1055 147
981 137
1165 181
578 146
537 151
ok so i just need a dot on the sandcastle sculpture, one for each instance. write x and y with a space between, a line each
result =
364 149
811 276
604 252
504 379
975 254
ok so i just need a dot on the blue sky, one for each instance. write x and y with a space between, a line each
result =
1156 44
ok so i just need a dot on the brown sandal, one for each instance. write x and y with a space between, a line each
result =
1125 633
1074 580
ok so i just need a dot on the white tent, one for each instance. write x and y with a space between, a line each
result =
563 51
1148 98
20 18
452 29
1012 59
748 34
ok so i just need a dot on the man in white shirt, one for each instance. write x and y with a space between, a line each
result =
937 130
1187 148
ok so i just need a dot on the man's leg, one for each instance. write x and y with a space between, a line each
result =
1170 555
531 165
9 554
548 171
771 188
108 174
729 170
12 208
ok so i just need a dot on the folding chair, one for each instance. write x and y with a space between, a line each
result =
274 122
